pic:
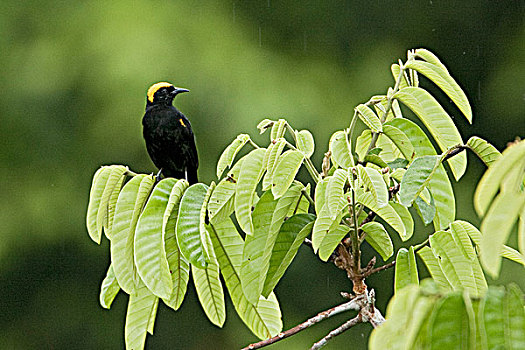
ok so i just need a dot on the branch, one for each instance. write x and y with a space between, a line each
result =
454 151
380 268
339 330
350 305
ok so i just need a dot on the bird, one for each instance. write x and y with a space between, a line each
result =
169 138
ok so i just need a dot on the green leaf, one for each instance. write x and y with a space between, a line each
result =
496 227
340 149
115 178
512 254
150 253
406 269
112 204
109 289
395 73
386 213
417 178
140 317
228 155
285 171
406 217
362 144
205 238
484 150
221 203
450 324
188 225
331 241
322 225
130 203
209 290
375 159
320 194
439 184
445 82
437 121
252 260
305 142
335 191
264 319
426 210
512 158
369 118
249 176
406 316
375 183
270 161
430 58
400 139
290 238
461 272
179 266
278 129
264 125
514 318
378 239
432 264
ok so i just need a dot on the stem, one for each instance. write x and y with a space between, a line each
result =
339 330
350 305
253 143
307 195
388 105
351 133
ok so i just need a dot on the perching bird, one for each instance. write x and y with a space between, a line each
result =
169 138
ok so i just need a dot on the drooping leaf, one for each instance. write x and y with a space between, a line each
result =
290 238
406 269
249 176
278 129
378 239
433 267
460 271
264 125
375 183
513 254
400 139
362 144
264 319
512 158
273 152
335 191
109 289
322 225
331 241
426 210
140 317
437 121
205 238
285 171
188 225
386 213
320 194
484 150
369 118
149 249
221 203
439 184
115 178
339 146
179 266
417 177
405 217
496 227
252 260
209 290
450 324
112 204
130 203
445 82
430 58
228 155
305 142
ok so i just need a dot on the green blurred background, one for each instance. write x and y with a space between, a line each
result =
75 76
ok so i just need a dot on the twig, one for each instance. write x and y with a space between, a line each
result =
456 150
349 305
380 268
339 330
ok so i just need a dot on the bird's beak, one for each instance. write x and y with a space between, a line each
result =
179 91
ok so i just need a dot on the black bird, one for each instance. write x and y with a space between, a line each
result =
169 138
